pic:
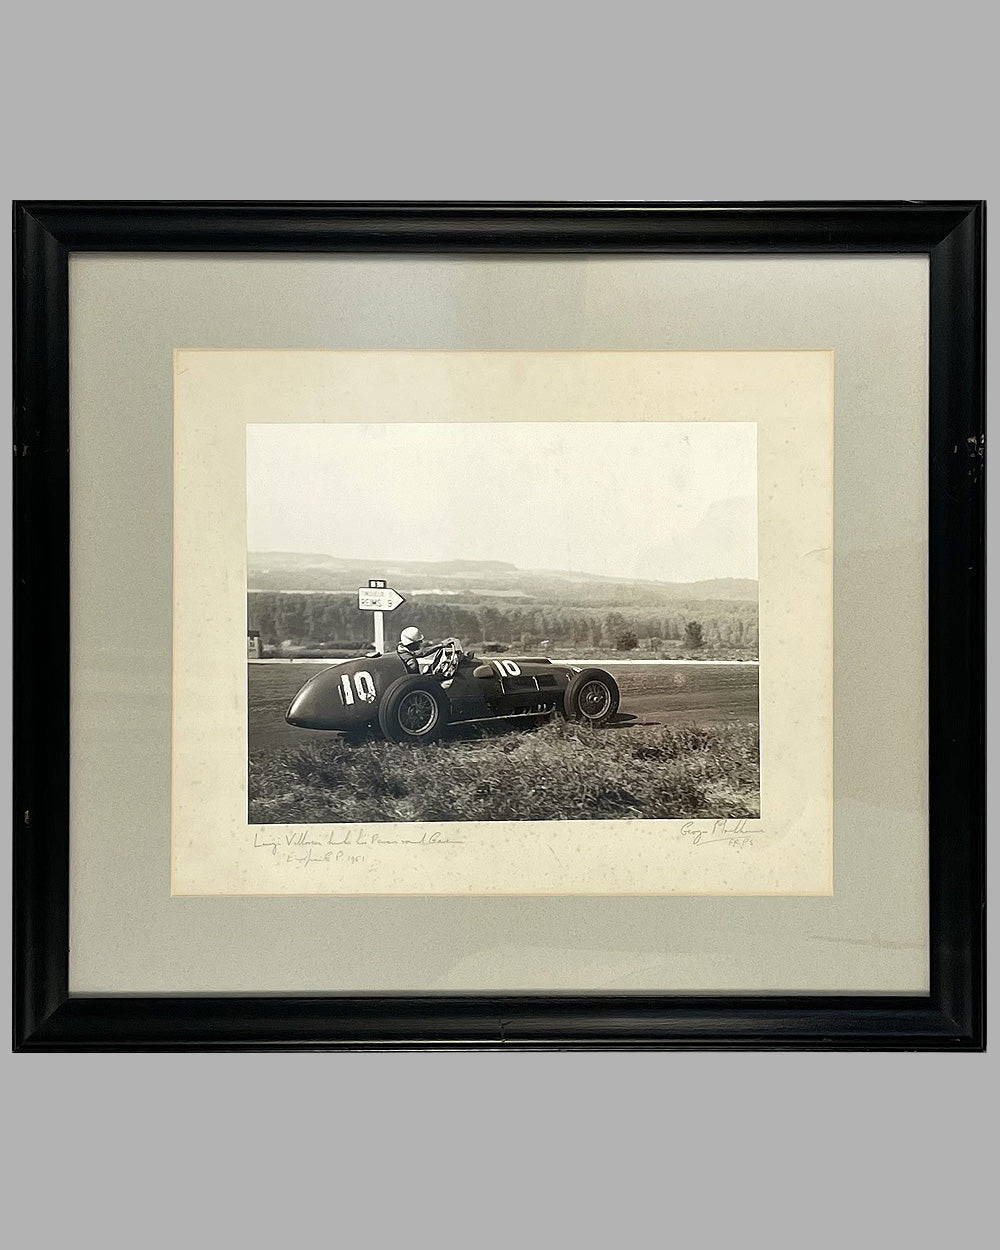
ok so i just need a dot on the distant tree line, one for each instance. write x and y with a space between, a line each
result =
320 618
523 589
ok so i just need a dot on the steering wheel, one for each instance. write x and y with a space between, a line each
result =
447 659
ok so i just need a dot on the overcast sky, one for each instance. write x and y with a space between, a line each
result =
672 501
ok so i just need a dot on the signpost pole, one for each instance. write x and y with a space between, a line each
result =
378 598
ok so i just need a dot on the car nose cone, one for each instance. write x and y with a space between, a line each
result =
317 704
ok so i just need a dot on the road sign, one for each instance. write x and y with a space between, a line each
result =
379 599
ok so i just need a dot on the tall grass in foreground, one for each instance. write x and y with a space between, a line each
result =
557 771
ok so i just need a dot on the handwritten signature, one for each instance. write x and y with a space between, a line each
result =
732 831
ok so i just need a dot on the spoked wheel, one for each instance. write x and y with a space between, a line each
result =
594 700
414 709
417 713
592 696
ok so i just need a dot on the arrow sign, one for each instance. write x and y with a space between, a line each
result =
380 599
377 597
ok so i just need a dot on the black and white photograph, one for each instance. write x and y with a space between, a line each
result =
476 621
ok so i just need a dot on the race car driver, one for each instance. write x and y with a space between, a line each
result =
439 659
411 648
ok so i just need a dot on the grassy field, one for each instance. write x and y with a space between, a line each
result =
554 771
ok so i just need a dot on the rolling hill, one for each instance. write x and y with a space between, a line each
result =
476 580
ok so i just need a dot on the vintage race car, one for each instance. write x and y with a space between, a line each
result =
452 688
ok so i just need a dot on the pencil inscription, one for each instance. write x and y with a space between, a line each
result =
307 846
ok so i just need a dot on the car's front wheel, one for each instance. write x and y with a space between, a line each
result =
414 709
592 696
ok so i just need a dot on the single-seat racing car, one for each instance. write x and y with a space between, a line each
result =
453 687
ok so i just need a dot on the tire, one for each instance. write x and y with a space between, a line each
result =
592 697
413 709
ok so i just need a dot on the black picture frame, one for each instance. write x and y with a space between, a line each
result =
949 1017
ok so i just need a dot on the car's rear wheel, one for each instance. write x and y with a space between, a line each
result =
414 709
592 696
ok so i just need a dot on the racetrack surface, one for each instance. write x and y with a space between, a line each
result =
696 693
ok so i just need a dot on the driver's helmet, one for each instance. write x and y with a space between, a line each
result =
411 638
